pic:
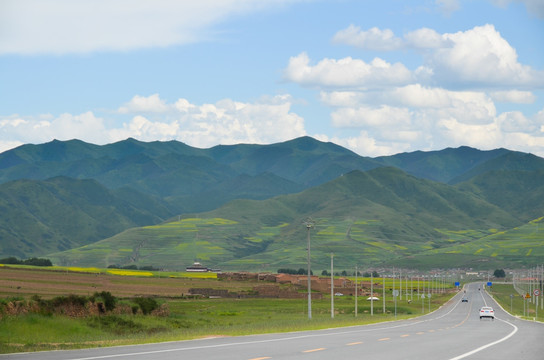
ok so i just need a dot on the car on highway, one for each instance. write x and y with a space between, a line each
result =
464 299
487 312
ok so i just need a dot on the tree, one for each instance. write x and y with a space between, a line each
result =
499 273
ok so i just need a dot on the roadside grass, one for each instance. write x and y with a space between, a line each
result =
192 319
515 304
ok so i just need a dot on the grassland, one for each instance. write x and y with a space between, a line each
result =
519 246
186 318
255 246
515 304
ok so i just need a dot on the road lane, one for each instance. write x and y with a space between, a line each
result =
453 332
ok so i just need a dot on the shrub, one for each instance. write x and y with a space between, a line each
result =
107 298
10 260
71 299
38 262
32 261
146 304
499 273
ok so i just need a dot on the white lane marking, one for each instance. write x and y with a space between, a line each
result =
490 344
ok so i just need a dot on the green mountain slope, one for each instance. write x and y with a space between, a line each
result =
39 217
509 161
362 217
518 247
518 192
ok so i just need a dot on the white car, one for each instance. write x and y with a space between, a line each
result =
373 298
488 312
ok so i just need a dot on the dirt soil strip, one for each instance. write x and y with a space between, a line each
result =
47 283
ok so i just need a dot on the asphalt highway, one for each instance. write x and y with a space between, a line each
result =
453 332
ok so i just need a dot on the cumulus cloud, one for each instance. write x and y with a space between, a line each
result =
509 130
373 39
267 120
448 100
66 26
414 117
425 38
478 57
44 128
513 96
144 104
346 72
226 122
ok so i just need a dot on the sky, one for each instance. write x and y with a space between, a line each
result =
377 77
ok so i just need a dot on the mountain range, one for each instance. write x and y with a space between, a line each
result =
241 207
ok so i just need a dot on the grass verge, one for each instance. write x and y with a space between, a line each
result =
191 319
515 304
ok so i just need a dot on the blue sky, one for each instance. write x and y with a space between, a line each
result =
378 77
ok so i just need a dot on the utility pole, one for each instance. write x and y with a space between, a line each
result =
332 286
383 292
356 292
371 294
400 284
309 224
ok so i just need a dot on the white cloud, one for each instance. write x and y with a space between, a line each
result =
513 96
425 38
479 57
346 72
152 103
373 39
229 122
421 118
448 6
449 100
39 129
143 129
516 122
467 106
67 26
510 130
382 117
268 120
367 145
